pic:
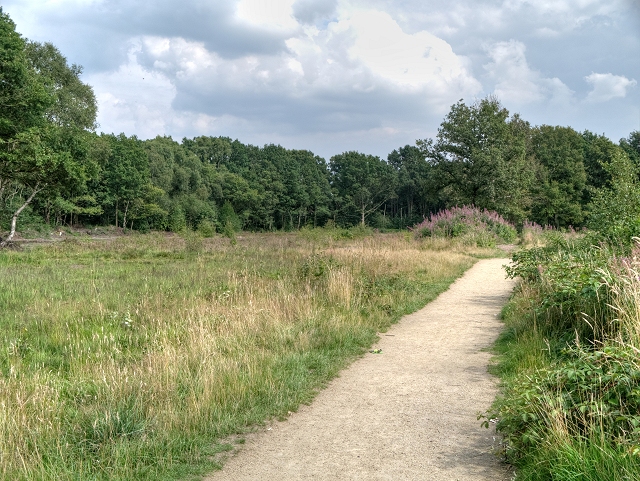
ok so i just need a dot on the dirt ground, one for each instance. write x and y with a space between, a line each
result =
406 413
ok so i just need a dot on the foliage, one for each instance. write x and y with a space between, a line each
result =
74 103
56 168
480 158
46 113
414 195
615 209
561 183
591 397
229 219
361 183
569 361
483 227
631 145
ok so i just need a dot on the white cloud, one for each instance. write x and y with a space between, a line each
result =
133 99
343 71
607 86
404 60
269 14
358 75
364 51
516 82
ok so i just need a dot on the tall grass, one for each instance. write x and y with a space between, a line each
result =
570 362
135 358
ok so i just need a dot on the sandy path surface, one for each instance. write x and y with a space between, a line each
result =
409 413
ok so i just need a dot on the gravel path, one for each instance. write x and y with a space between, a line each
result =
408 413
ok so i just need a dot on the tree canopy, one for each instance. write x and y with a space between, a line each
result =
37 151
480 158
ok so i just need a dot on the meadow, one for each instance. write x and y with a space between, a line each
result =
138 357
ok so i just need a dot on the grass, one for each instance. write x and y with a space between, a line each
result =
134 358
570 367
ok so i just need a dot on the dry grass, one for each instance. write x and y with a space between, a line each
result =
126 359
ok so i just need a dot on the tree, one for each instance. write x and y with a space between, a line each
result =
631 145
210 150
39 148
562 181
125 174
599 152
480 158
362 183
313 205
615 208
74 103
414 198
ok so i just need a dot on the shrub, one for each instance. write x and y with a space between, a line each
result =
588 393
481 227
206 228
570 407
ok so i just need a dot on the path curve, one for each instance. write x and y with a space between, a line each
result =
409 413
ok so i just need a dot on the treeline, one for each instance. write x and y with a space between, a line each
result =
55 169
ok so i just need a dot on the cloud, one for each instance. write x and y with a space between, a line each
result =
410 61
133 99
341 74
516 82
276 15
312 11
361 71
230 28
351 74
607 86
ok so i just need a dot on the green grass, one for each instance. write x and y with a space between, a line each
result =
559 399
135 358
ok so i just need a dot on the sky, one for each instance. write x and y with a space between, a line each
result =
338 75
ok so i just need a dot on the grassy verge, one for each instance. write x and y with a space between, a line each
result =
131 358
570 365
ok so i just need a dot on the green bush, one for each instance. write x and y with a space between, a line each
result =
588 392
206 228
177 220
570 405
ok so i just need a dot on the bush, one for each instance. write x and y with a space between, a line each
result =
206 228
177 219
228 219
480 227
615 210
570 406
588 393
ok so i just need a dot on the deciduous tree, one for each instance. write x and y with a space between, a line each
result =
480 158
362 183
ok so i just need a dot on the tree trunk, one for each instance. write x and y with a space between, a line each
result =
124 220
116 213
14 219
362 217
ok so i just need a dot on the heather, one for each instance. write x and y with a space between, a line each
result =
472 225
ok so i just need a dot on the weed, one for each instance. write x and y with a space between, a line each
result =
476 227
